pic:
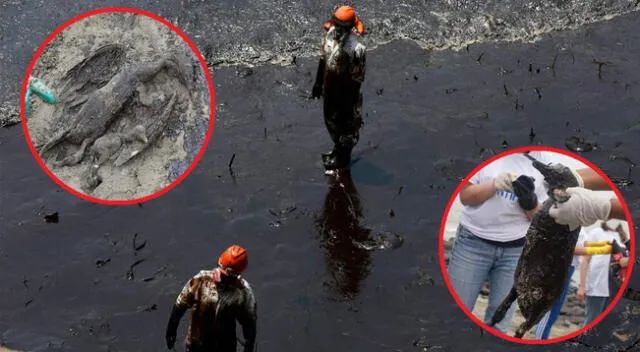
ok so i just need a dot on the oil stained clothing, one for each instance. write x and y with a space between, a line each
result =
342 73
216 302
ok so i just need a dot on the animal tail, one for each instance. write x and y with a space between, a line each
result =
500 313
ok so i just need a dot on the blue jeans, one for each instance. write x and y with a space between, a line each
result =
595 306
474 261
543 329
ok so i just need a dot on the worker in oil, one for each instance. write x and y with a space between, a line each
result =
218 298
339 79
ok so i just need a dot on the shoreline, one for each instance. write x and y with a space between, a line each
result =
441 29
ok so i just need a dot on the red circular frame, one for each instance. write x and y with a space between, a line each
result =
480 323
211 105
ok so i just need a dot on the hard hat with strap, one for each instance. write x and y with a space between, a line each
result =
345 16
233 261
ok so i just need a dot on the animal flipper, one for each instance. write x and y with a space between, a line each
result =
55 140
504 307
153 131
525 326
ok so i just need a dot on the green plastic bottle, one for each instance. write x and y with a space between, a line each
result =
39 89
42 91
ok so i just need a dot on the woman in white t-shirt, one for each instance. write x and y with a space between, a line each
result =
493 225
594 274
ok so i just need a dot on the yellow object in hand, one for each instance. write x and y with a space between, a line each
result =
595 250
598 244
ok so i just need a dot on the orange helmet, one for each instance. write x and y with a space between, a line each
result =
233 260
346 16
345 13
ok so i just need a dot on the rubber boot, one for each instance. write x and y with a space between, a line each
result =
331 162
326 156
343 159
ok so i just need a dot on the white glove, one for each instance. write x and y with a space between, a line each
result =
584 208
503 182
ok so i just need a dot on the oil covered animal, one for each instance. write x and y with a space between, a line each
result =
103 106
543 267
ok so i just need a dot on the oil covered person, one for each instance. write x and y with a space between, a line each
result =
339 78
218 298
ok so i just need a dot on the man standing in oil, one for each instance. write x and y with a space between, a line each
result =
339 78
218 298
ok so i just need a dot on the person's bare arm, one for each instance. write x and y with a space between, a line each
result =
580 250
476 194
584 267
592 180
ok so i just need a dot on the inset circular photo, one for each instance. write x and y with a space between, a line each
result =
536 245
118 106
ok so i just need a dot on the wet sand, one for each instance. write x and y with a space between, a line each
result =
561 327
431 117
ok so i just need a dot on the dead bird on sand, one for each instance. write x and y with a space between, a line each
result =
103 106
106 146
543 267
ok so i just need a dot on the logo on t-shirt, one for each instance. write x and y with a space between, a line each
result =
507 195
